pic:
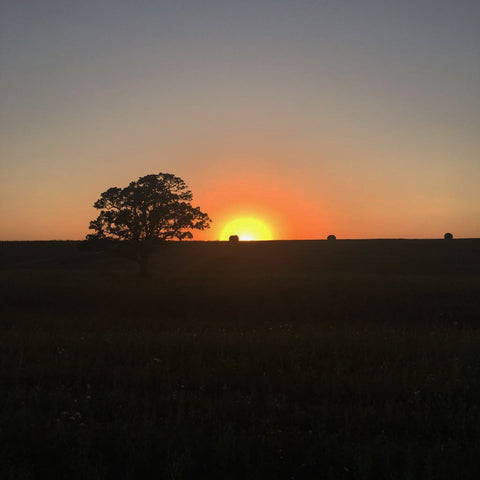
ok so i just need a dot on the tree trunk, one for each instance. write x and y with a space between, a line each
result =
143 264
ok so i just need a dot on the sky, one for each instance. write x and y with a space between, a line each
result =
354 118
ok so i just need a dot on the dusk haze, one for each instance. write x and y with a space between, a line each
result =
313 117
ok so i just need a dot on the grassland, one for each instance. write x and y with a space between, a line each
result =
277 360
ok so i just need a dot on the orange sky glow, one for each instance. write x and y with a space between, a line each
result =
246 178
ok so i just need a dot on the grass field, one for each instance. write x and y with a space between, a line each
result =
258 360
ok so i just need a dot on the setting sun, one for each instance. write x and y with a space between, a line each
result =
247 228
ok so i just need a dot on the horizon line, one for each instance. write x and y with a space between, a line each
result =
264 241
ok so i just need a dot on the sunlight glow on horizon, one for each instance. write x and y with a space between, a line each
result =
247 229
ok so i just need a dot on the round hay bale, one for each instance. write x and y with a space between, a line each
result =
331 237
233 238
448 236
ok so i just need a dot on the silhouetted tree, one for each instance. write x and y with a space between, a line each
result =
448 236
331 237
152 209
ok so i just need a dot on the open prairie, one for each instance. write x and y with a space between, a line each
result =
278 360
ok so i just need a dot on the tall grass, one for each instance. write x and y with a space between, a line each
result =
274 361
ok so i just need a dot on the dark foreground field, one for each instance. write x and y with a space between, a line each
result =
276 360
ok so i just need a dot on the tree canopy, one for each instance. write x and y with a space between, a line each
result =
155 207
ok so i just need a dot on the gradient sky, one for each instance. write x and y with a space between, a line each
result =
359 118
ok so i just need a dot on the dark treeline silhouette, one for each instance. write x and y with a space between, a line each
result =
135 219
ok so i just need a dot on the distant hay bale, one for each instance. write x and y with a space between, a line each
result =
233 238
331 237
448 236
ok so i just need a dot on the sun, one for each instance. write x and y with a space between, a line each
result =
247 228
